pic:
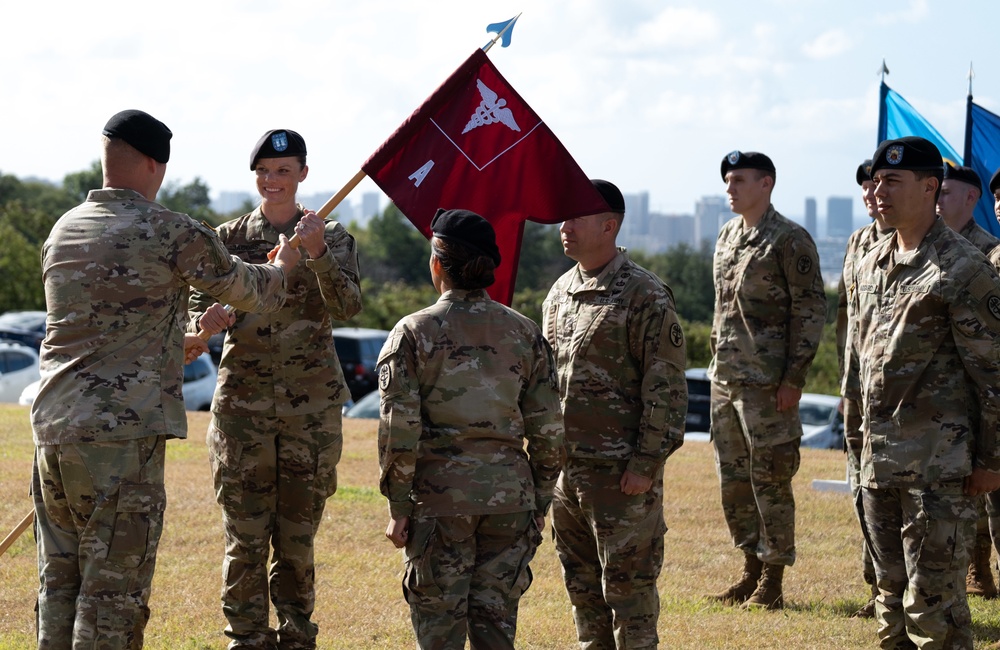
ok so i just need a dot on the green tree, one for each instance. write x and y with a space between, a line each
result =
191 199
688 273
22 231
394 250
78 184
542 260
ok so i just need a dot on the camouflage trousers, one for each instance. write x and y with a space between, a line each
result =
272 478
919 541
611 549
756 457
854 444
98 518
465 576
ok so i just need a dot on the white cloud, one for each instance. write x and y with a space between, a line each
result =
828 45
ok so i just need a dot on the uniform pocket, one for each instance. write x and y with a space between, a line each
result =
326 469
138 523
225 453
418 579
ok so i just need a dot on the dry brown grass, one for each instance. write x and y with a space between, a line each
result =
359 603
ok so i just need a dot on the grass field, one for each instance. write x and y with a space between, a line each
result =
359 602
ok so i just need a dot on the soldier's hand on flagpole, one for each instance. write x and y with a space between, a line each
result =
194 347
398 531
216 319
311 230
284 255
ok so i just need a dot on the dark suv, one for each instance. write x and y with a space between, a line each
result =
358 348
699 413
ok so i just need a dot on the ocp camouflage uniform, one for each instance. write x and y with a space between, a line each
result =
860 242
275 437
925 330
116 271
987 244
464 383
620 354
769 313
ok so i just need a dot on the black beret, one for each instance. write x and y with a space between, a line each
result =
965 174
467 228
277 143
995 181
612 195
911 153
746 160
145 133
864 171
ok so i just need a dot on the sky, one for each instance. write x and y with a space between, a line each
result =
650 94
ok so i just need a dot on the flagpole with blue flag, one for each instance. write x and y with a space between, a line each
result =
982 153
898 119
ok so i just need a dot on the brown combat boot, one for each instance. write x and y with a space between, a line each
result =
768 593
740 590
979 581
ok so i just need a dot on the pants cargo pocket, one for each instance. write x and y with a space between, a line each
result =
224 455
418 580
138 522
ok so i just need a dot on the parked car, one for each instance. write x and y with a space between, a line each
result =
699 411
199 385
822 422
18 368
27 327
358 349
366 407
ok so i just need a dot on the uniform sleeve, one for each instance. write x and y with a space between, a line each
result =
807 311
204 263
543 426
656 338
976 329
399 426
338 273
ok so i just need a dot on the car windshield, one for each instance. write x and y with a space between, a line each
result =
816 414
23 320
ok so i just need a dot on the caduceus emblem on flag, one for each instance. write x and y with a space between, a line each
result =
491 110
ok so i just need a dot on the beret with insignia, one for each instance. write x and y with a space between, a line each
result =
864 172
467 228
746 160
966 175
911 153
277 143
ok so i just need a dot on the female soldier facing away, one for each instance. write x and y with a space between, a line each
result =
464 382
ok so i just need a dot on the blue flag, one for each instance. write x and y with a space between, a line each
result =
982 153
897 119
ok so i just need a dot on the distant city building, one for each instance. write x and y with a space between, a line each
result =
710 212
232 201
636 223
369 207
839 216
811 217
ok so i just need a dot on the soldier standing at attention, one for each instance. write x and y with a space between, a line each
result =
116 271
463 384
620 354
769 314
275 436
860 242
960 191
924 314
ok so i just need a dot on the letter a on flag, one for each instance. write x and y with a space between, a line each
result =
475 144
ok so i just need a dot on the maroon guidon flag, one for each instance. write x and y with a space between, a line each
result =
476 145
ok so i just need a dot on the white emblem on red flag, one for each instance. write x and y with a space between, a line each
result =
490 111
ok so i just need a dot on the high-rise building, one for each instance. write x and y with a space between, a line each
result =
369 207
710 212
811 217
839 216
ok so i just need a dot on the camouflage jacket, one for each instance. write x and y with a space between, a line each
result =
994 257
463 384
769 303
979 237
116 271
860 242
925 329
284 362
620 354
